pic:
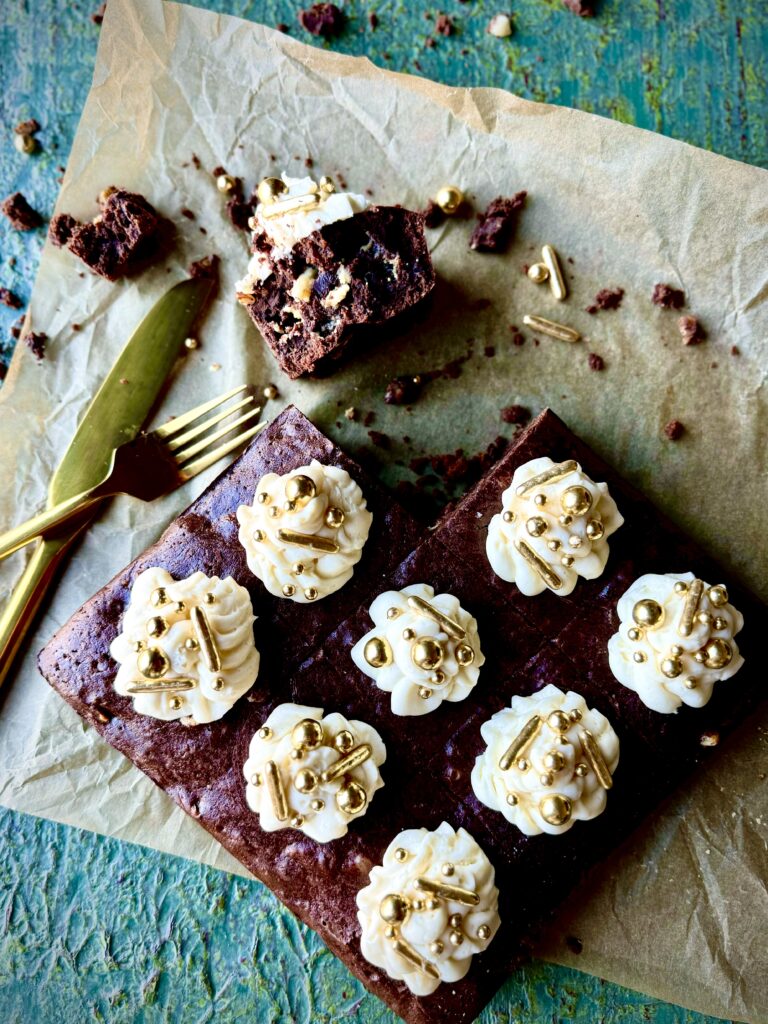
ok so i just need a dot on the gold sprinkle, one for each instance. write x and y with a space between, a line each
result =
298 568
551 475
209 598
307 733
558 721
343 741
449 198
639 657
448 891
226 183
455 938
567 561
175 703
351 798
554 545
158 597
465 654
258 536
540 499
555 273
718 596
297 821
453 629
536 526
310 593
512 799
191 343
690 683
153 663
522 765
394 908
401 854
483 932
551 328
538 273
508 517
307 540
447 869
274 512
262 497
305 780
546 779
206 639
594 755
581 769
408 634
719 623
276 791
156 626
520 743
256 779
264 733
436 947
437 677
161 686
575 715
407 952
555 809
289 590
300 488
334 517
548 575
317 805
680 587
690 608
218 683
393 613
424 692
270 188
270 392
377 652
348 763
427 653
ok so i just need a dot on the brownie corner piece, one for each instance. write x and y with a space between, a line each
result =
345 279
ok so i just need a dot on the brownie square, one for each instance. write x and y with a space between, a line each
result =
528 642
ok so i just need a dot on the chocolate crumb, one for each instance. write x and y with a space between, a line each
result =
735 350
76 327
495 225
98 16
674 430
379 439
596 362
517 414
10 299
16 328
36 341
667 297
584 8
691 330
518 338
21 215
208 267
281 26
444 25
575 945
403 390
28 127
489 351
606 298
196 161
369 418
433 215
322 20
189 214
373 20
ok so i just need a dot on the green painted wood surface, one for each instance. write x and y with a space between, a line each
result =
97 930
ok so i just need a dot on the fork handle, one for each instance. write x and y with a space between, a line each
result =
41 524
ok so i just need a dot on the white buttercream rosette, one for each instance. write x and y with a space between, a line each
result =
655 653
550 533
441 932
416 658
302 745
552 782
158 632
330 508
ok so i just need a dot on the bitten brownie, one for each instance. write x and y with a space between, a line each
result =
127 234
528 642
333 284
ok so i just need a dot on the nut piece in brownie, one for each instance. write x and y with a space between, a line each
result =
326 266
123 238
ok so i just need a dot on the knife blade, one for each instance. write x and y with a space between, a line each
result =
115 415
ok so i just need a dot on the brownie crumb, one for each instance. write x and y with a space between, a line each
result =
98 16
189 214
322 20
16 328
691 330
368 419
495 226
76 327
207 267
674 430
517 414
197 162
373 20
36 341
584 8
379 439
21 215
403 390
433 215
444 25
735 350
575 945
596 362
518 338
10 299
606 298
667 297
282 27
28 127
489 351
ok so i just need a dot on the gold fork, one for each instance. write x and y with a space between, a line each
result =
153 464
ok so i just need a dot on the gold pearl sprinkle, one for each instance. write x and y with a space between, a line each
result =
226 183
575 541
334 517
191 644
310 593
455 920
296 754
677 650
449 198
377 652
393 613
567 561
447 869
681 587
218 683
565 520
427 653
512 799
343 741
153 663
289 506
704 618
522 765
305 781
648 613
558 721
408 634
424 692
390 932
554 760
540 499
317 805
307 733
639 657
351 798
158 597
436 947
483 932
719 623
258 536
576 500
289 590
581 770
263 498
432 904
536 526
456 938
180 607
256 779
191 343
718 596
718 653
465 654
156 626
209 598
264 733
175 703
298 568
401 854
575 715
437 678
300 488
508 517
634 633
297 821
595 529
554 545
538 273
270 188
274 511
555 809
546 779
270 392
671 667
690 683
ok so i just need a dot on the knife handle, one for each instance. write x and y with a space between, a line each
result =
41 524
27 595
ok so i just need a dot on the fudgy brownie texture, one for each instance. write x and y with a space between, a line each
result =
385 257
528 642
126 236
495 227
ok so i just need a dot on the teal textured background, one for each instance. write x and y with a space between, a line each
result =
97 930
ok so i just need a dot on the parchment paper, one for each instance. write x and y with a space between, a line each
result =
682 913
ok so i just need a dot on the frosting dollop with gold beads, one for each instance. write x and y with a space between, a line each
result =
186 647
549 762
553 527
423 649
675 640
429 907
305 531
312 773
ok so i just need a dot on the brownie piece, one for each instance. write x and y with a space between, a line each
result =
22 216
583 8
127 234
667 297
606 298
322 20
528 642
380 254
494 227
691 330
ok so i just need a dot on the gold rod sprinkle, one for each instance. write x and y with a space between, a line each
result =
549 576
351 760
161 686
594 755
691 606
307 540
407 952
310 201
276 791
520 742
551 475
556 280
453 629
549 327
205 639
467 897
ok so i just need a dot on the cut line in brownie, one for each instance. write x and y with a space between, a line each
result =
528 642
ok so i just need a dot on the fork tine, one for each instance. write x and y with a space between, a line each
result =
173 426
193 468
186 454
181 439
